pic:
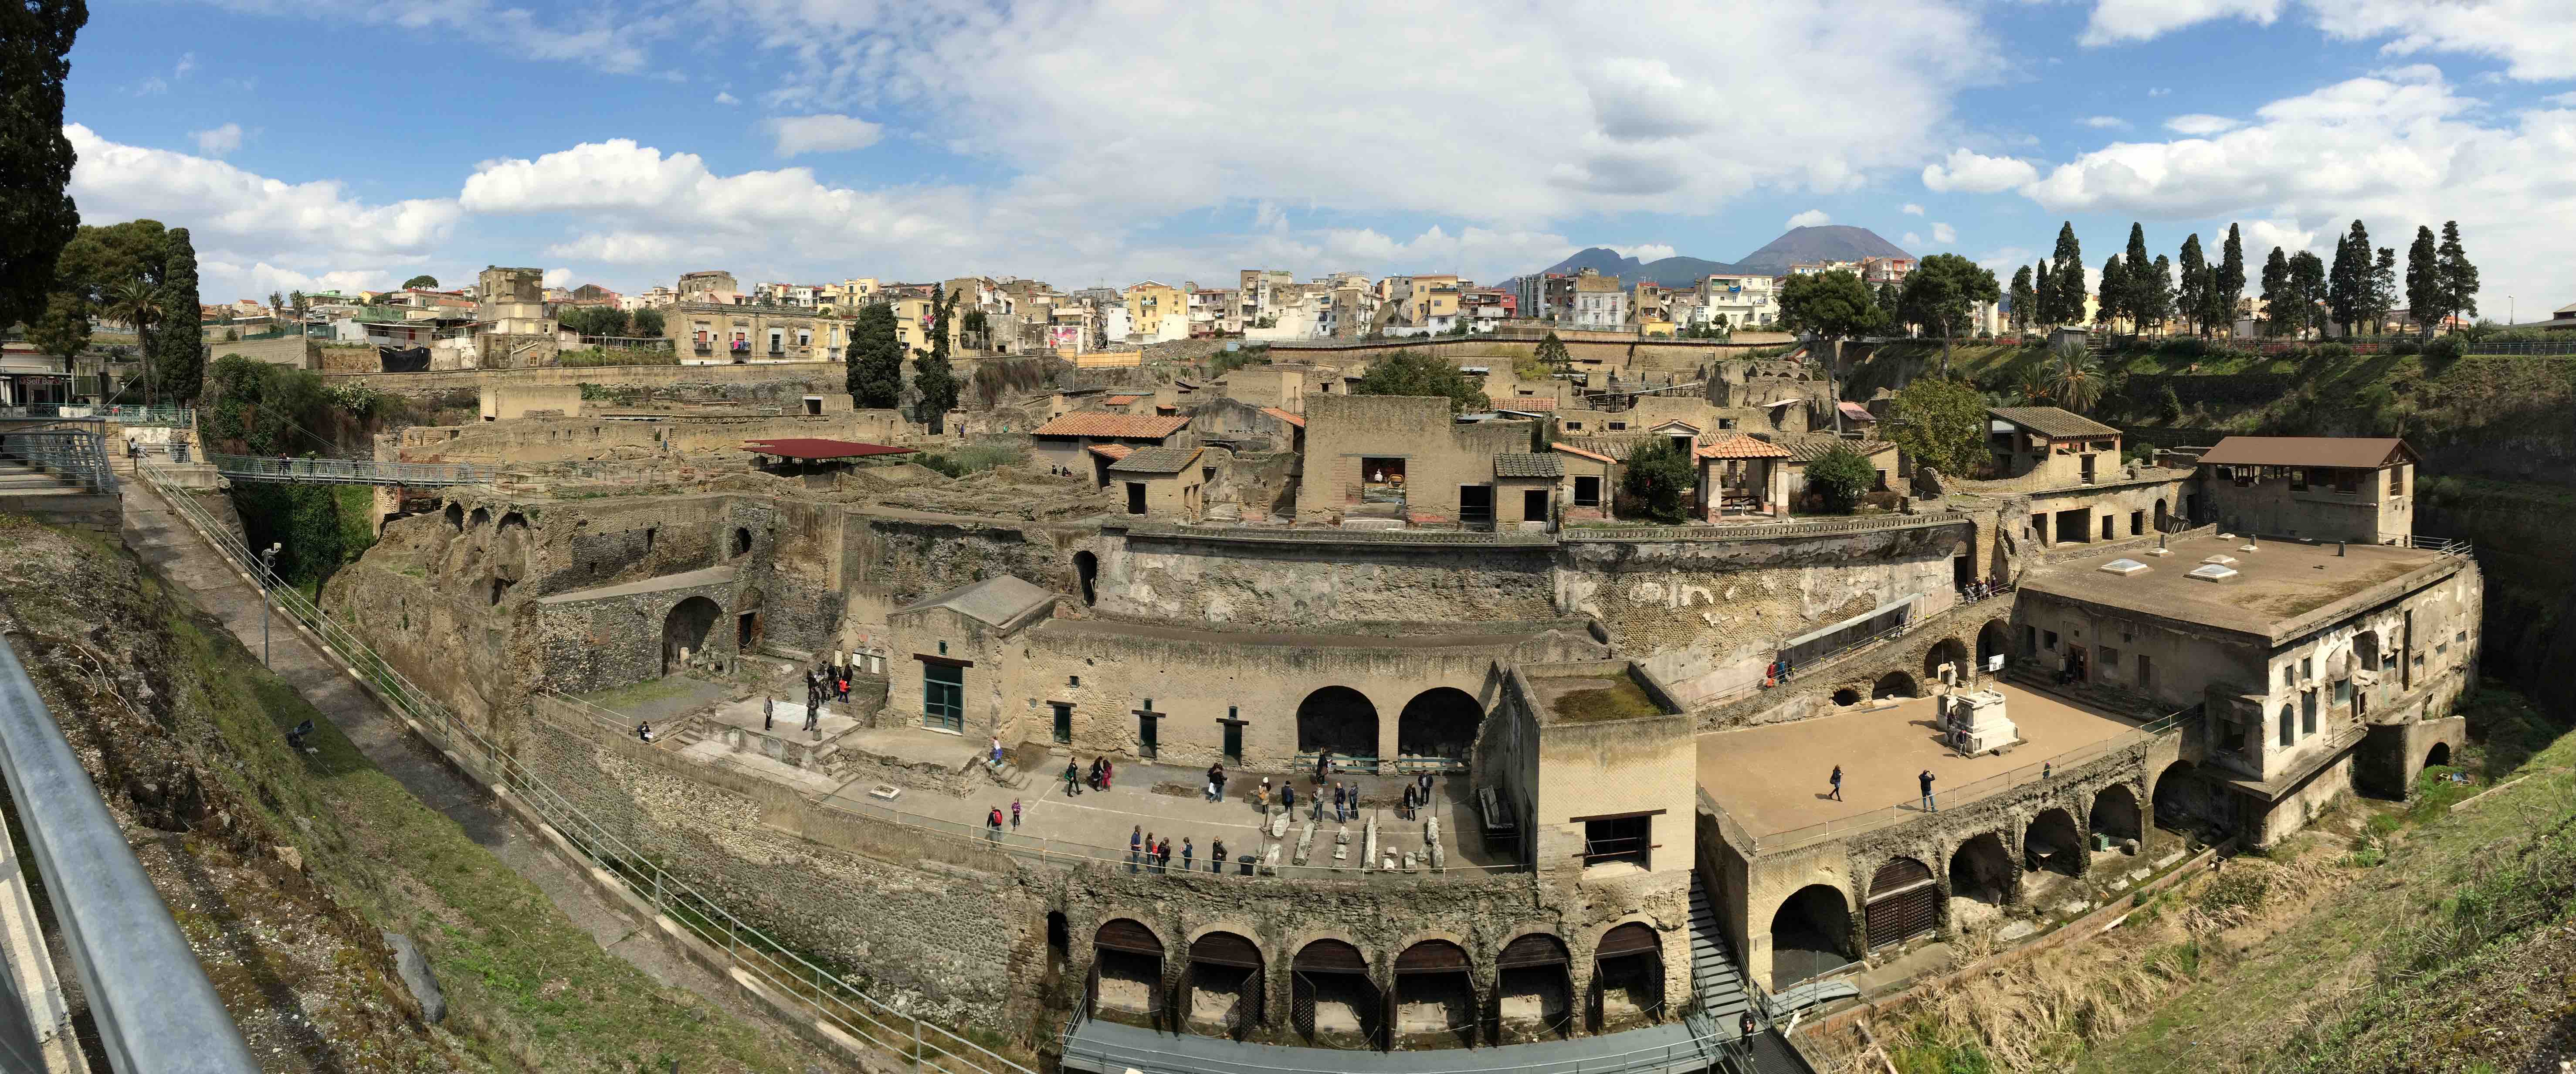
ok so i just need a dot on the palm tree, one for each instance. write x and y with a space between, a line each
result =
2079 382
2034 387
137 303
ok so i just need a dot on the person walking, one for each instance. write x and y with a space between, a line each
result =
1323 764
814 721
1315 809
1928 805
1072 779
1218 778
993 825
1425 781
1744 1027
1837 794
1216 855
1189 854
1261 796
1288 799
768 712
997 751
1341 804
1015 814
1406 810
1108 773
1135 846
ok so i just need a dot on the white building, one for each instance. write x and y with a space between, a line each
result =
1740 299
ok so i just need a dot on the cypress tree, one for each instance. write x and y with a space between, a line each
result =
2459 277
2160 292
178 350
2276 283
2022 297
2135 287
2043 303
2069 306
2191 294
2382 296
2108 299
2348 283
2230 283
2308 292
931 373
36 217
875 359
2424 295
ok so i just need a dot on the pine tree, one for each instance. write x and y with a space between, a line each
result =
178 351
2276 284
2424 294
2459 277
2068 304
2022 298
875 359
2192 291
2043 302
2230 283
932 374
2134 284
36 217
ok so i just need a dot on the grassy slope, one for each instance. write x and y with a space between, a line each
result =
2452 955
526 988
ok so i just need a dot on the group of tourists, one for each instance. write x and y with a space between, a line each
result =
1102 772
1145 853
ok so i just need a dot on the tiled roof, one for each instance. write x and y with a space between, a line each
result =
1740 446
1528 464
1111 452
1813 446
1571 449
1292 419
1613 448
2052 421
2344 452
1155 460
1096 423
1119 400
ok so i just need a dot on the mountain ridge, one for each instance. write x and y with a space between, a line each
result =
1821 242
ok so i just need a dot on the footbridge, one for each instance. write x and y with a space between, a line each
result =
349 471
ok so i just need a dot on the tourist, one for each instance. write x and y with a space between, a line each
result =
1261 796
1405 809
1015 814
1149 852
644 731
1425 781
1094 777
997 753
1323 764
1108 773
1288 798
845 687
993 825
1837 794
1163 855
1216 775
1216 855
1135 846
768 712
1189 854
1072 779
1341 803
1928 805
814 721
1745 1026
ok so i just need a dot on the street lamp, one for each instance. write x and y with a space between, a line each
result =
268 567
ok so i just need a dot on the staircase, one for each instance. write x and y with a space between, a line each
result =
49 497
1723 994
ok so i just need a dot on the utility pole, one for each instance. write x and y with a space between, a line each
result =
268 566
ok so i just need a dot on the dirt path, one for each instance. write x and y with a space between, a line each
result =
165 543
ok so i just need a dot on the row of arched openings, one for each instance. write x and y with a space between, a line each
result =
1439 722
1219 987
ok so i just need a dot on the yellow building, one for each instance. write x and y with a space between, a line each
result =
1157 311
1430 297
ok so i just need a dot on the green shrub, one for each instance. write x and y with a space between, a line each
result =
1659 476
2244 888
1841 476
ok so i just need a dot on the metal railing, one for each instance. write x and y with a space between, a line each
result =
1697 1051
77 456
177 417
2444 545
826 995
154 1008
1970 792
350 471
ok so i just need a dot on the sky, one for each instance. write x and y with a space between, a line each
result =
624 142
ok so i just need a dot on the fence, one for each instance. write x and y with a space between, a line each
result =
73 454
1966 793
349 471
2444 545
837 1003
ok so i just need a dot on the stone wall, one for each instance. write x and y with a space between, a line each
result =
1294 580
696 382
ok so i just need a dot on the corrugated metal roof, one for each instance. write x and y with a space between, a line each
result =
1155 460
1813 446
1094 423
1528 464
2348 452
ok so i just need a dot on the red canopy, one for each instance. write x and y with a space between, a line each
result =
811 448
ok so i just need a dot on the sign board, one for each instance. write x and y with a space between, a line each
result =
1995 663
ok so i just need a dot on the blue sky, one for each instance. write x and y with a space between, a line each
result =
626 141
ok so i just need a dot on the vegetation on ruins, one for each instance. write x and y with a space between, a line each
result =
932 375
874 359
1940 292
1842 476
36 217
1659 479
1553 355
1415 373
1830 305
1940 422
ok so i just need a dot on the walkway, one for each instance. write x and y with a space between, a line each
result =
168 546
1112 1048
349 471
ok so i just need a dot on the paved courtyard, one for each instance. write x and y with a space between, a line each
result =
1774 778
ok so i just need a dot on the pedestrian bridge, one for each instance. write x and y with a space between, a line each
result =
349 471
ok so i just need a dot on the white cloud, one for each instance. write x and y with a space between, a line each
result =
727 98
2200 125
620 248
1912 209
1944 234
1653 251
826 133
1810 218
2002 261
2103 122
152 85
2396 149
1910 239
243 224
592 36
2160 91
2118 21
219 141
556 277
1975 173
187 62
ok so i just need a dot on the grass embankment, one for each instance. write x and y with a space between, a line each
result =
2385 937
527 989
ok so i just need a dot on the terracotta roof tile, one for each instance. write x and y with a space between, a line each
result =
1096 423
1740 446
1292 419
1111 452
2342 452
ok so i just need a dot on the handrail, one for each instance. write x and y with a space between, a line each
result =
349 471
76 455
844 1006
153 1005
